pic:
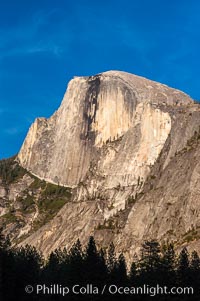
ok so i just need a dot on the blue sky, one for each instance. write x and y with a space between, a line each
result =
43 44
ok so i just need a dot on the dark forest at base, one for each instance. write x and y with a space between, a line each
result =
157 265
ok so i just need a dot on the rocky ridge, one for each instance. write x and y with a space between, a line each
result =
128 147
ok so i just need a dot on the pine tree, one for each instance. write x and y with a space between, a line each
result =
183 269
103 270
195 262
121 270
195 272
150 262
74 263
133 274
7 268
168 263
51 270
150 255
93 262
112 264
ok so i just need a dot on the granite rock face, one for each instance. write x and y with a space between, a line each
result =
94 111
118 140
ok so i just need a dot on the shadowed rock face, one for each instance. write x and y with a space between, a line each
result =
118 139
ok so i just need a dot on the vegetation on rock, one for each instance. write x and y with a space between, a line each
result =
39 202
10 171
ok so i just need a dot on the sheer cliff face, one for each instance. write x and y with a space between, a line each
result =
94 111
130 148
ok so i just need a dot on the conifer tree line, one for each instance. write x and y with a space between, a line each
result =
157 264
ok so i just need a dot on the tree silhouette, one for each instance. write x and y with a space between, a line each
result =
133 274
75 264
121 270
195 271
94 261
183 269
28 263
150 261
112 264
22 266
51 270
168 264
195 262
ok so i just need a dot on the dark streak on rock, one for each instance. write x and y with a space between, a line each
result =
130 99
90 108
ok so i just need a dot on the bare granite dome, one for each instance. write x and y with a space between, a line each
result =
95 110
130 148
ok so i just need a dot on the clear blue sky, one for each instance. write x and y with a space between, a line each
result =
43 44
